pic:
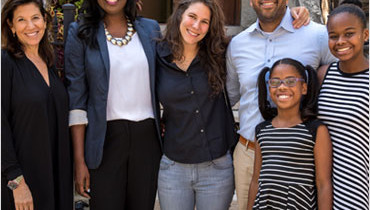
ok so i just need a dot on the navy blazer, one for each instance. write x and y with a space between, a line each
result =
87 72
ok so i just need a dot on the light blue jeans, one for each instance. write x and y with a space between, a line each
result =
208 185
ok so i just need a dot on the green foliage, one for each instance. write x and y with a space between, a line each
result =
55 9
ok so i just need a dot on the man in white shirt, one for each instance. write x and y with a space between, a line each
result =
270 38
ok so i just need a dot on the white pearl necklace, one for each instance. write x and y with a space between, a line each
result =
121 41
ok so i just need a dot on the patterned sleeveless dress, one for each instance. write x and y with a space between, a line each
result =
344 108
287 176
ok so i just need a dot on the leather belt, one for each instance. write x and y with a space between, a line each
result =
249 144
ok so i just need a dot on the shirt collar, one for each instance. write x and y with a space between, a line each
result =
286 23
163 49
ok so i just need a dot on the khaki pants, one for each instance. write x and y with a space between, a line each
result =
243 171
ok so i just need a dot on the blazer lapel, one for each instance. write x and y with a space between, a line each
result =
103 47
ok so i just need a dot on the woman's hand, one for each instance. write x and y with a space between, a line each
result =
82 179
82 176
23 197
301 16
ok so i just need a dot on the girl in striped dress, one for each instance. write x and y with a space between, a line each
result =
344 107
293 157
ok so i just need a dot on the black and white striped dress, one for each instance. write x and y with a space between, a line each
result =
344 108
287 176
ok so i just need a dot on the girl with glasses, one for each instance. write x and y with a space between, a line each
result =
293 156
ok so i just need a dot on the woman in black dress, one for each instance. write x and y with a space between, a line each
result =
36 168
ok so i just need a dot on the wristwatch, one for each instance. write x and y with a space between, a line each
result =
13 184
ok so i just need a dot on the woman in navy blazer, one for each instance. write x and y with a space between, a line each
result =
110 65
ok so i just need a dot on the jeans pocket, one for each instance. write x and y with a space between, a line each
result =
224 162
166 163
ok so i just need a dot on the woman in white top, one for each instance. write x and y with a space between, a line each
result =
110 60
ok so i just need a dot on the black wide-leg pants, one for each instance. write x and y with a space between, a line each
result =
127 176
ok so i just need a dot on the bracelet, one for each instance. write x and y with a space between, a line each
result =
18 179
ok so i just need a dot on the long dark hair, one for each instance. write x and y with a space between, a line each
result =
12 44
212 48
93 14
308 105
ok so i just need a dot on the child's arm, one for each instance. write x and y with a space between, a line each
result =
321 71
323 165
253 187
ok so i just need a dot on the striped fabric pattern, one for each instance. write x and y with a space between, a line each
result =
287 176
344 108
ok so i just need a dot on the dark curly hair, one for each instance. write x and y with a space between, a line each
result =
12 44
93 14
308 106
212 48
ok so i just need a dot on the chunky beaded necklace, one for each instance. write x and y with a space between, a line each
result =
121 41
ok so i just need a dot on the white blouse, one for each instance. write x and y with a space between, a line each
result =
129 95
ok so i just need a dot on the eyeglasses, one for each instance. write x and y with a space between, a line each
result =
289 82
